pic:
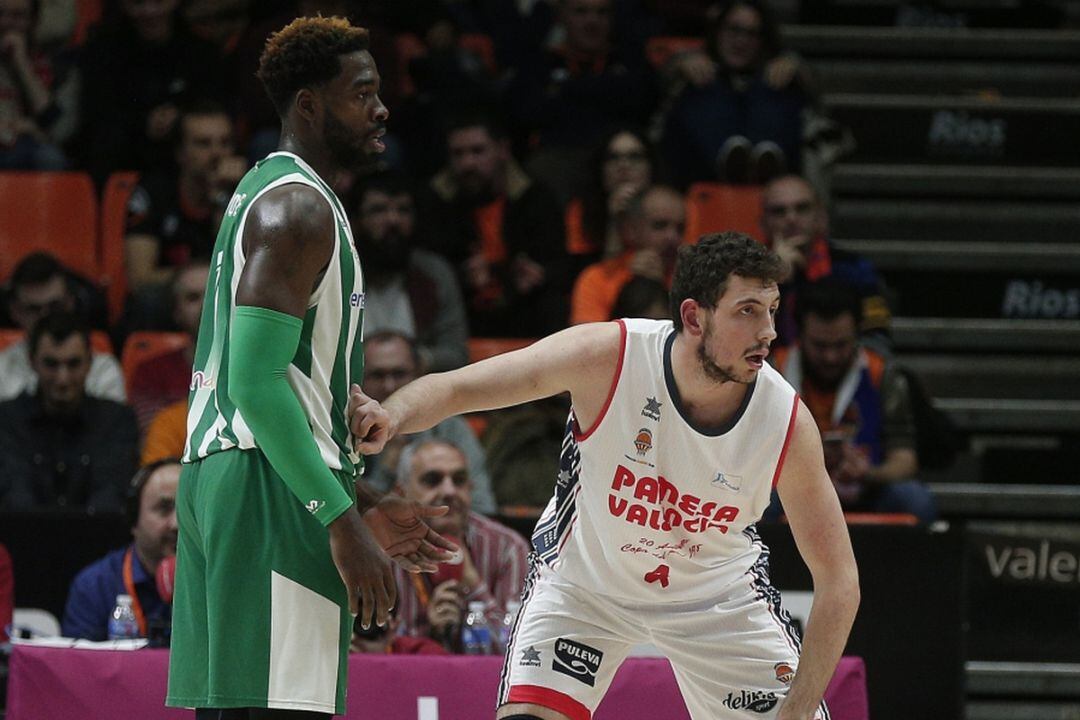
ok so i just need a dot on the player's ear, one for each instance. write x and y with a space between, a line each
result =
306 103
692 317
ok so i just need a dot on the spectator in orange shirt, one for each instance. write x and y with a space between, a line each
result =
652 230
166 434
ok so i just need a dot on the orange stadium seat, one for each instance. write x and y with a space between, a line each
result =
114 201
714 207
143 345
659 49
55 212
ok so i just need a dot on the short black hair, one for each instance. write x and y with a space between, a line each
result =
389 182
638 295
827 299
197 107
484 118
389 335
716 16
306 53
133 499
703 269
59 325
35 269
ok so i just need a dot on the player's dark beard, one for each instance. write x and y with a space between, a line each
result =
710 368
345 145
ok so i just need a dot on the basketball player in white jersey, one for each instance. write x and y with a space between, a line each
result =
678 433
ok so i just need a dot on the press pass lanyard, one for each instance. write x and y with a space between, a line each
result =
129 585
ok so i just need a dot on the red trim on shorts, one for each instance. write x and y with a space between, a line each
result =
580 436
787 440
551 699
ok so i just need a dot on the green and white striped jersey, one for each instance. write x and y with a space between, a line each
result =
330 355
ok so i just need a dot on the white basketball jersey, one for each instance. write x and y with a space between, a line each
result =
649 507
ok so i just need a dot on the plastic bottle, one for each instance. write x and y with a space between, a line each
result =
122 622
476 633
507 624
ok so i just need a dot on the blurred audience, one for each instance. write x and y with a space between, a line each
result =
494 558
502 231
642 297
40 285
566 96
622 164
173 216
410 290
861 404
7 593
651 227
391 360
388 640
151 513
128 125
795 223
737 111
164 379
38 94
59 447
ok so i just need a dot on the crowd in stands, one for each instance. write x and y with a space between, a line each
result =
538 173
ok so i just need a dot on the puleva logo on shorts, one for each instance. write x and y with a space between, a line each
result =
757 701
576 660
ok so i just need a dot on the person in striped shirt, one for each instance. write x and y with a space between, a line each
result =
435 472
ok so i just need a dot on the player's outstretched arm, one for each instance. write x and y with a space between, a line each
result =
288 241
817 523
580 360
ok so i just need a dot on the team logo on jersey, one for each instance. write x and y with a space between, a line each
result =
315 506
757 701
651 409
784 672
643 441
580 662
530 657
729 482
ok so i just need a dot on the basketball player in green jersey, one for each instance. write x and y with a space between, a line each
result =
278 549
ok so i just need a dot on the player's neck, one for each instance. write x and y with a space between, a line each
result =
317 156
710 403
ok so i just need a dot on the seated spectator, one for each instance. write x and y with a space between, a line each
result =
861 404
166 433
7 593
173 217
131 570
622 165
652 229
494 558
737 116
409 290
502 231
387 640
164 379
390 362
39 285
128 125
60 447
642 297
567 96
37 94
795 223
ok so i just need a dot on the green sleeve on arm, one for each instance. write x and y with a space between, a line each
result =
262 344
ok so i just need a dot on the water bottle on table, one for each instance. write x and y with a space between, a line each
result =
506 627
122 622
476 636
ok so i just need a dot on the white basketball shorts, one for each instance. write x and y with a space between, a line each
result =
733 656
